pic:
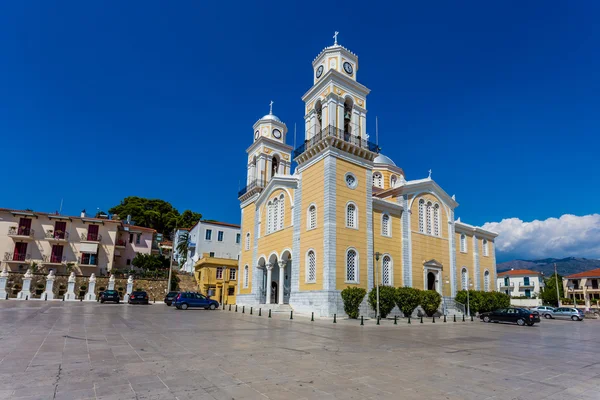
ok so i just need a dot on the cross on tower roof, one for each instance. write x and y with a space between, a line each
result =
335 35
271 107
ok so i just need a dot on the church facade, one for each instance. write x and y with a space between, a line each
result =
346 216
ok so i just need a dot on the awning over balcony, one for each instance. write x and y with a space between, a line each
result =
90 248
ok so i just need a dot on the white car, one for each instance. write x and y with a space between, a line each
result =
545 311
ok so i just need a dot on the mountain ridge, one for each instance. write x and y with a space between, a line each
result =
564 266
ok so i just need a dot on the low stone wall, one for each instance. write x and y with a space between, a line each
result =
156 288
525 302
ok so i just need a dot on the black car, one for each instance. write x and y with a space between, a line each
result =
138 298
110 295
520 316
170 298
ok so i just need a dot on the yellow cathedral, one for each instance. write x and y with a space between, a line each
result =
346 216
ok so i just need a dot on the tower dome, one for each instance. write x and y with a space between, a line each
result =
381 159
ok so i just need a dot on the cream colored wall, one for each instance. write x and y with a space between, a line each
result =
465 260
347 237
278 241
246 255
389 245
426 247
312 193
487 262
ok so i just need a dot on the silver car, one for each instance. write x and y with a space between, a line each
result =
568 313
543 311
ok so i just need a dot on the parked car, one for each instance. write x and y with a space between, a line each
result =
568 313
110 295
520 316
170 297
544 311
138 298
185 300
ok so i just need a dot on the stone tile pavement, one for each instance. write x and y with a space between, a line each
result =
57 350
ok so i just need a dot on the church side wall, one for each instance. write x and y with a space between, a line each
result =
487 263
389 245
464 260
280 240
246 255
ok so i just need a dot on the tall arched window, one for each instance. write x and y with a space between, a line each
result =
377 180
436 219
311 267
274 166
464 279
485 248
386 270
422 216
393 181
275 215
351 218
319 112
385 225
463 243
311 217
247 245
281 211
486 281
351 266
269 217
348 106
429 217
246 276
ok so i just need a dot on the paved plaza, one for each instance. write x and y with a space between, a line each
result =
57 350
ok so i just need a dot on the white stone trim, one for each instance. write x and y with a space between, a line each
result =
476 269
452 252
369 212
406 242
330 224
297 214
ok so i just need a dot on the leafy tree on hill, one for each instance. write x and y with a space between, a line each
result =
155 213
150 262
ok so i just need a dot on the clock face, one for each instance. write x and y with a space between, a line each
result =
319 71
348 68
276 133
256 134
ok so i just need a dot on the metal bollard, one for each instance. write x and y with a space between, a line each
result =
334 318
361 321
471 318
230 307
46 297
409 319
259 312
81 299
463 317
243 309
454 317
292 314
395 320
269 313
236 308
421 319
251 310
433 319
378 320
223 305
155 300
312 316
444 318
26 297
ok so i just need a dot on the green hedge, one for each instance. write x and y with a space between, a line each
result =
352 297
407 299
430 301
480 301
387 299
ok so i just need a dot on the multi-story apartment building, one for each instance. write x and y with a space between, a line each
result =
584 287
520 283
62 243
217 239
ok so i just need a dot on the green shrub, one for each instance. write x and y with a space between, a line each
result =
407 299
387 299
480 301
565 300
430 301
352 297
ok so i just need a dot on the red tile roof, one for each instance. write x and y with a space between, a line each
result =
516 272
593 273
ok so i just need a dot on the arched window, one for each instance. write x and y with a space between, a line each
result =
269 217
319 112
385 225
429 217
351 266
275 215
486 281
393 180
348 106
485 248
274 166
463 243
247 245
464 279
311 217
422 216
436 219
246 276
386 270
281 211
377 180
311 267
351 218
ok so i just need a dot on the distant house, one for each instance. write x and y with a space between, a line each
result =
521 284
584 287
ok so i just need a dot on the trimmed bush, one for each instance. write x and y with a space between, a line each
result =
387 299
430 301
352 297
407 299
480 301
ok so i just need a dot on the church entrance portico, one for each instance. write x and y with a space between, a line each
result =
275 283
432 276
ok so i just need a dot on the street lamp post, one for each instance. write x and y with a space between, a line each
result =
377 255
171 261
469 284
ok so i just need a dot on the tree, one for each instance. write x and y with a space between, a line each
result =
387 299
150 262
407 299
430 301
548 294
182 246
155 213
352 297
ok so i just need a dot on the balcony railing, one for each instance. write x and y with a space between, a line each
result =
251 185
120 243
332 131
91 237
526 285
20 231
57 235
88 261
504 285
53 259
16 257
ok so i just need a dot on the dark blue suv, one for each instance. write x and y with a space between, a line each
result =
185 300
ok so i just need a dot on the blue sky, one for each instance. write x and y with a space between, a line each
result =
104 100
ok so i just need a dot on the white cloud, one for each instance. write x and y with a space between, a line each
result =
566 236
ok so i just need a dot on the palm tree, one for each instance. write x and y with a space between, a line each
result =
182 246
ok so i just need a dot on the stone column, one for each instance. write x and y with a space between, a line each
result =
49 292
111 282
129 286
25 293
3 280
91 292
70 295
269 269
281 281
